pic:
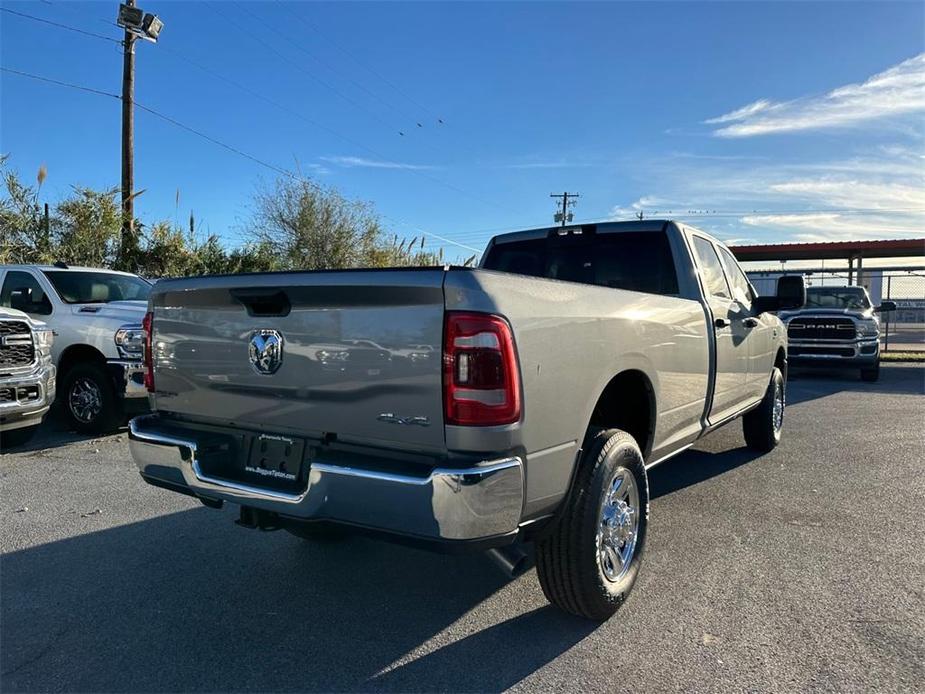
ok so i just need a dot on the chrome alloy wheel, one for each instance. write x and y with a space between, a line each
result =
619 525
85 400
778 412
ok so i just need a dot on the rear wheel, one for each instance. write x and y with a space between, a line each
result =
89 399
16 437
872 374
588 561
762 426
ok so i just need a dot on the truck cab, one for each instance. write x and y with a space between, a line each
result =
96 317
838 327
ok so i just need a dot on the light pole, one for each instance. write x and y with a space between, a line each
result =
137 24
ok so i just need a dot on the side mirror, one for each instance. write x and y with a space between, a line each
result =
885 306
791 294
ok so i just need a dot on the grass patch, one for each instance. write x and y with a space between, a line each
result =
902 356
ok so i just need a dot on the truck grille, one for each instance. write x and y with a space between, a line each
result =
16 348
821 328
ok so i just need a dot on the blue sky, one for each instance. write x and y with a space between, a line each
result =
790 120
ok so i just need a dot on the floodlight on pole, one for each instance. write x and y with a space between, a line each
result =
142 24
152 26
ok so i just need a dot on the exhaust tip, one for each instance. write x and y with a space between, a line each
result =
512 560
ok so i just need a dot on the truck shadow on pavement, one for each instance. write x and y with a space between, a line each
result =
895 379
189 602
54 433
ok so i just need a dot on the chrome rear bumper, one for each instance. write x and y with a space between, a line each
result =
448 504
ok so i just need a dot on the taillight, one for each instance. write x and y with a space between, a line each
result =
481 381
148 326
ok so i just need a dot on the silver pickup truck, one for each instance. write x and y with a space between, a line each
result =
838 327
467 408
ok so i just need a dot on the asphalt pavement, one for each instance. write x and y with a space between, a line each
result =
803 569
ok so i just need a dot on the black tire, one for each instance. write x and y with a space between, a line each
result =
16 437
572 573
96 420
872 374
761 428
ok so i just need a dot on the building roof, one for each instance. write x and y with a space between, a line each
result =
828 250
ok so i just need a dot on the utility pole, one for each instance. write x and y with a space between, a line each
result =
563 216
137 24
127 255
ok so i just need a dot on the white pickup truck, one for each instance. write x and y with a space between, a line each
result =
27 376
96 318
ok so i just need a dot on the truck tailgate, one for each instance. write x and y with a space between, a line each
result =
360 355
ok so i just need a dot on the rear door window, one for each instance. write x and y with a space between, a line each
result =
741 289
22 291
711 269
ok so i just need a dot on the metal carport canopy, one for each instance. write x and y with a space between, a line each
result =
831 250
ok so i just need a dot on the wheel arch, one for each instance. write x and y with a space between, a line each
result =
628 402
780 361
78 354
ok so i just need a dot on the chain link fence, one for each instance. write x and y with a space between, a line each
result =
902 330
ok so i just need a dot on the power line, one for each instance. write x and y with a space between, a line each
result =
366 66
335 70
299 67
153 112
416 172
82 88
59 25
327 129
252 92
209 138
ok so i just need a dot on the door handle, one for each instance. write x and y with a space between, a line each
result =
721 323
750 322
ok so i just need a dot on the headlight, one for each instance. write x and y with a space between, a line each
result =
44 339
868 328
130 341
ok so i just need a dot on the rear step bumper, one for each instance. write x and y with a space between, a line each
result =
450 504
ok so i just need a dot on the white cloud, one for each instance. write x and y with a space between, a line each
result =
741 113
647 203
854 193
877 193
360 162
898 91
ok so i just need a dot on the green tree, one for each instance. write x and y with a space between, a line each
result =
88 227
25 229
297 224
315 228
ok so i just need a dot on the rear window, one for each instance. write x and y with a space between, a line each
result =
637 261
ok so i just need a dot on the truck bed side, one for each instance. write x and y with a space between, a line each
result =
572 339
